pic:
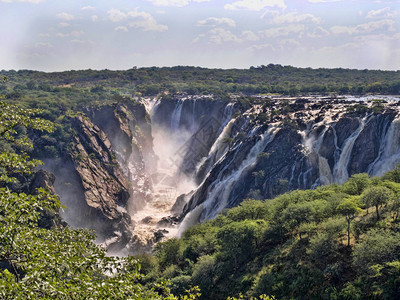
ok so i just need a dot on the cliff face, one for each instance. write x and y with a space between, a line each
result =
129 130
319 142
104 186
104 178
134 176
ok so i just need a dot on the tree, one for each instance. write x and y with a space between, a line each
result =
356 184
12 163
349 208
393 175
239 240
377 196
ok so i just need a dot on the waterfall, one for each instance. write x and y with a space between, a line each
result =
313 147
340 173
176 116
218 196
150 104
325 173
223 174
193 126
391 155
192 218
218 147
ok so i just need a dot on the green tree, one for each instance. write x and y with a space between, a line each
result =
349 208
377 247
16 162
356 184
377 196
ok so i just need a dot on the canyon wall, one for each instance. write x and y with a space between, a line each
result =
142 172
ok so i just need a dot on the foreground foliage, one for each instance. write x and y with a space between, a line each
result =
57 262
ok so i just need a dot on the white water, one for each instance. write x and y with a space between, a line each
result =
219 192
217 198
192 218
176 116
340 173
218 148
391 151
168 182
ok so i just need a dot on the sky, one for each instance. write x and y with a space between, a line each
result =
56 35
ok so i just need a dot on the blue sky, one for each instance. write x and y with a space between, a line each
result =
59 35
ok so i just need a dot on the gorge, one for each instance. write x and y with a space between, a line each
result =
145 170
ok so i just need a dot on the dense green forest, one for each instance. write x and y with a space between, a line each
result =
88 85
334 242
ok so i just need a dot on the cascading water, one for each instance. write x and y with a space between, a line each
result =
227 164
218 196
176 116
391 151
340 171
152 219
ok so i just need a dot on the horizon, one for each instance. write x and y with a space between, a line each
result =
51 36
200 67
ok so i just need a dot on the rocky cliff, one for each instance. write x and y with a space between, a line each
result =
139 173
293 144
104 177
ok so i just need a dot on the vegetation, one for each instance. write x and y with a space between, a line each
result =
81 87
313 244
56 262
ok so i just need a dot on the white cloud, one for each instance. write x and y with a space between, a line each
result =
63 24
198 38
262 47
178 3
256 5
380 13
121 28
65 16
318 32
282 31
212 21
295 17
288 43
249 35
116 15
364 28
137 19
87 8
145 21
219 36
72 33
95 18
43 45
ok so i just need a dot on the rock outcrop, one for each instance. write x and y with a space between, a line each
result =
129 130
105 188
105 177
